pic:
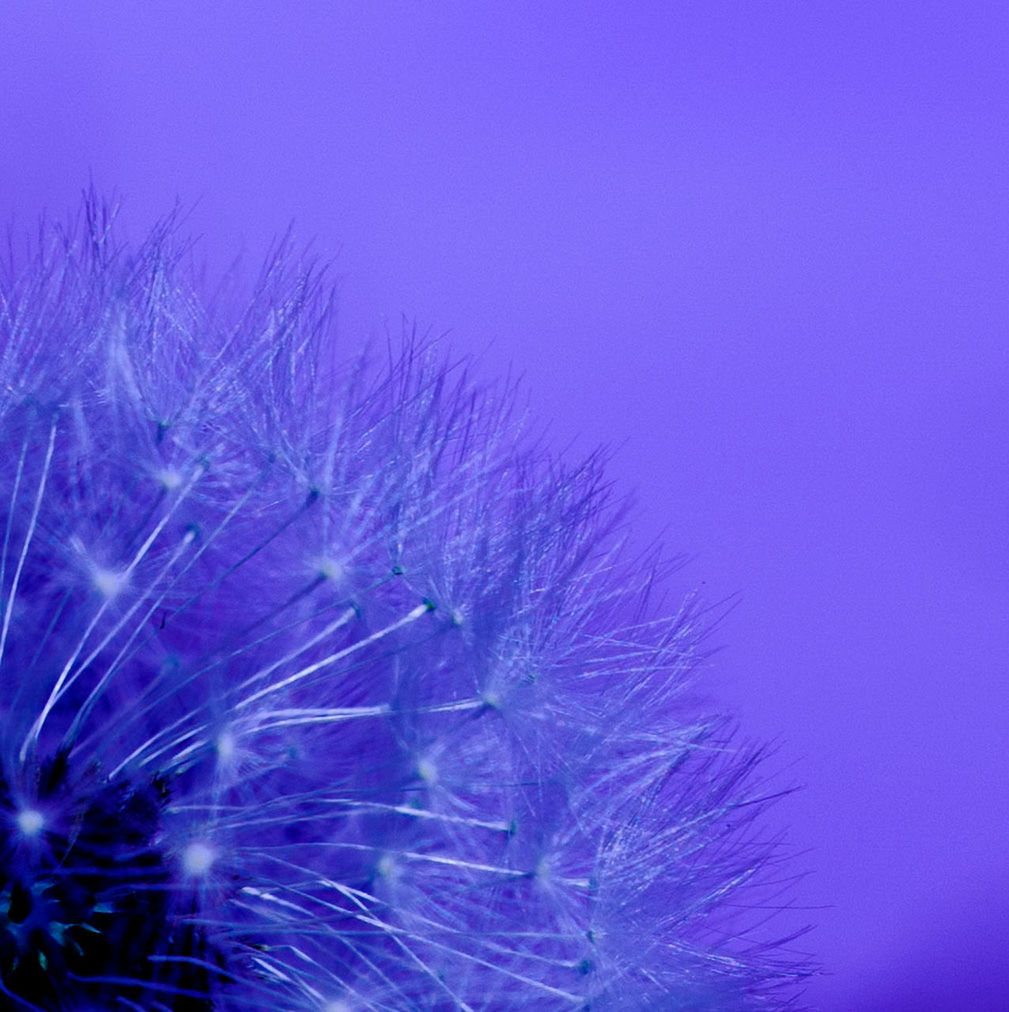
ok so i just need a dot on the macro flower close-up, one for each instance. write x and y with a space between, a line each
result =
323 688
503 506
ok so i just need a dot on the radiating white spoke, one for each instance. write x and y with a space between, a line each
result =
29 534
339 655
68 676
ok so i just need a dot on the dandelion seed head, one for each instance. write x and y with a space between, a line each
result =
322 688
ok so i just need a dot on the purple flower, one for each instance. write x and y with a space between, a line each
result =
322 690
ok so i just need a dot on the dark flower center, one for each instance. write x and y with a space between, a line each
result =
87 909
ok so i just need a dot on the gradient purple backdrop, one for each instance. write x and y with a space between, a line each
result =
760 249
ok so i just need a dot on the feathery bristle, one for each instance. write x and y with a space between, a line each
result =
321 690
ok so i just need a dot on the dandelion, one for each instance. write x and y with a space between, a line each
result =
321 690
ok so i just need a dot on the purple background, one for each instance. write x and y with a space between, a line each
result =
760 249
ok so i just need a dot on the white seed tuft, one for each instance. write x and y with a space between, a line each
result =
30 821
108 582
198 858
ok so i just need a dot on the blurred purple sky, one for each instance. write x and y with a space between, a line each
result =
760 250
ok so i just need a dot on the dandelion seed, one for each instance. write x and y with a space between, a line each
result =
198 858
30 822
320 691
108 583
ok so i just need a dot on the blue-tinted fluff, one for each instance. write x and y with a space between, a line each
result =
319 692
